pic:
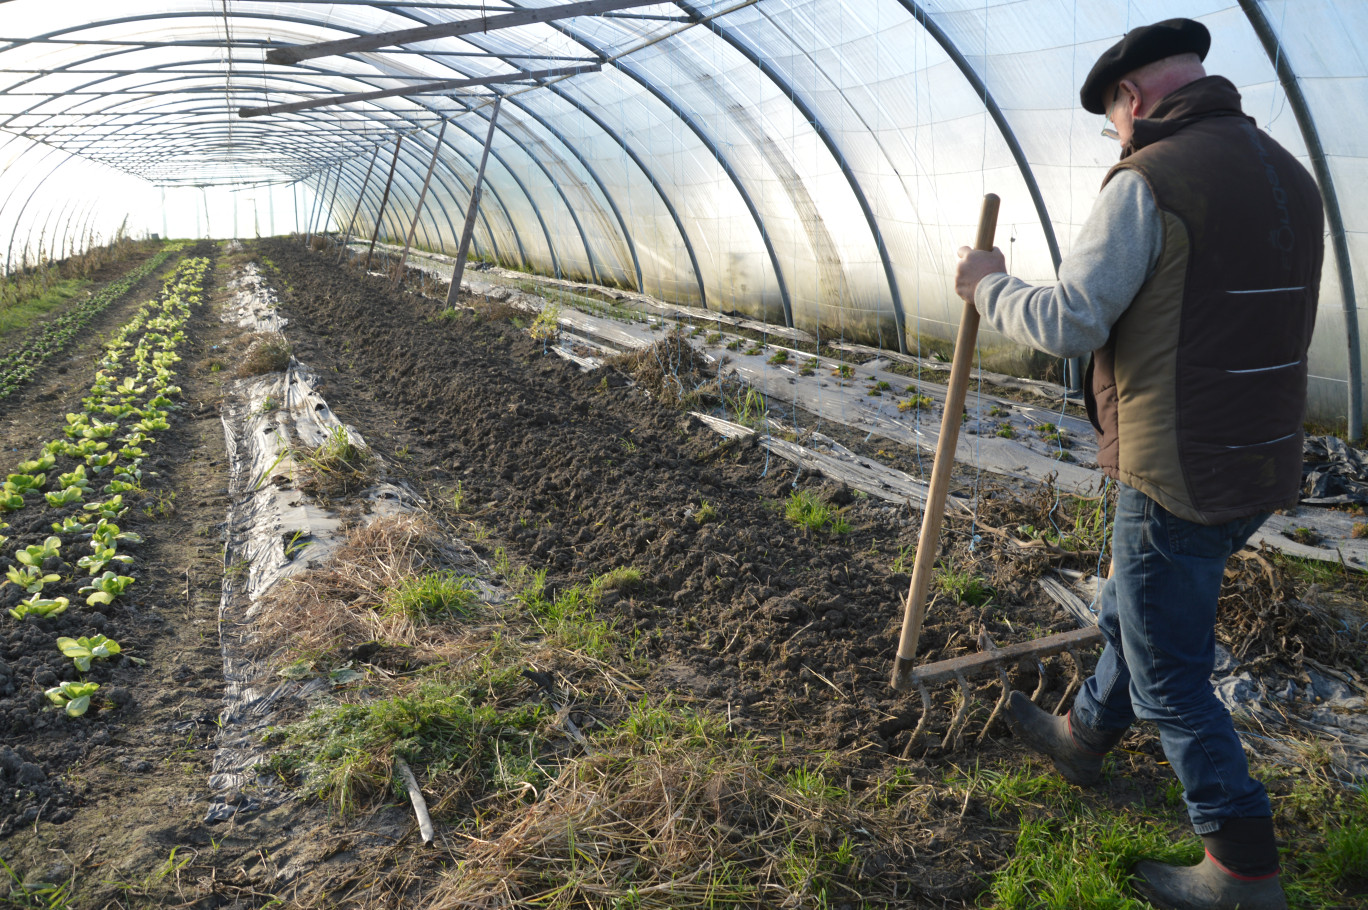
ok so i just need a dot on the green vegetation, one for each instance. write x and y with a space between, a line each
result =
705 513
807 510
432 595
962 585
779 358
914 401
1005 431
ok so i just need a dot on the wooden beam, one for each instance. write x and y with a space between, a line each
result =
458 267
423 88
288 55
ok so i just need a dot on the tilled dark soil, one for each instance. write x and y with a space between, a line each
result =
580 473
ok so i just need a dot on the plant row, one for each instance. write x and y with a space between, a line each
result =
131 398
23 364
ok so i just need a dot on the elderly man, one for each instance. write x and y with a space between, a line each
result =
1194 284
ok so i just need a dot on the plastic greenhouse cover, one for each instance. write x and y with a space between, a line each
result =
808 160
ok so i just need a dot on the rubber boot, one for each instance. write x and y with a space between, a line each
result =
1209 886
1077 750
1240 870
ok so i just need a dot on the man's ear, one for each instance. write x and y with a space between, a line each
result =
1137 101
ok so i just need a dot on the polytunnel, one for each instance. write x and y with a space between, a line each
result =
812 164
493 454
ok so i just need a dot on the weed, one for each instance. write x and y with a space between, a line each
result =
914 401
38 896
1303 535
457 497
1360 530
808 368
436 594
779 358
997 410
705 513
844 370
713 338
751 410
269 352
806 509
1005 431
623 578
546 327
734 344
963 585
907 558
341 753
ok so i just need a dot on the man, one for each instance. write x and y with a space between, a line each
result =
1194 284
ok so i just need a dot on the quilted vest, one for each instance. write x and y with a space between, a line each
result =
1199 394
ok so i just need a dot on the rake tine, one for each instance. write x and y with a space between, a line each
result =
986 644
921 724
1073 681
951 741
997 709
1040 686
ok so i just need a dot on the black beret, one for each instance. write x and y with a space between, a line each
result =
1141 46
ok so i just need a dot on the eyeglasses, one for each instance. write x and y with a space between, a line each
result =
1108 131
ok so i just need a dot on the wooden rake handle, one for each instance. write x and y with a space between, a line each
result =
928 544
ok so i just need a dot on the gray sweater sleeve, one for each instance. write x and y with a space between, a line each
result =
1114 255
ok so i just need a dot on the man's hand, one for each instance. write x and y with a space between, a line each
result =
974 266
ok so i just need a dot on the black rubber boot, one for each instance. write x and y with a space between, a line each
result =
1208 886
1077 751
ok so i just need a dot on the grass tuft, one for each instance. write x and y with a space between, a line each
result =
807 510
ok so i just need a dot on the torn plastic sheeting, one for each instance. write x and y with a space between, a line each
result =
254 305
272 534
1333 473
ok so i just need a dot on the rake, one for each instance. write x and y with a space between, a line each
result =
906 674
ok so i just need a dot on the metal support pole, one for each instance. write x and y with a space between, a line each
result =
314 215
379 216
1333 217
365 182
458 269
418 212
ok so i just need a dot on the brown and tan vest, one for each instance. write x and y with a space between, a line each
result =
1199 394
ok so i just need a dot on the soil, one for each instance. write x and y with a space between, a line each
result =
789 633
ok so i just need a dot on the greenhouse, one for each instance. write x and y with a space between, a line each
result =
589 454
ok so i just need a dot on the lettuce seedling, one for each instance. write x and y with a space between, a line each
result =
11 500
127 387
131 451
37 605
99 430
64 497
107 534
70 525
111 508
76 478
27 483
98 463
151 424
73 697
86 447
104 589
37 466
30 578
76 425
83 650
36 554
101 558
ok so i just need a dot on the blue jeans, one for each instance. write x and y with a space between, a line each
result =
1159 617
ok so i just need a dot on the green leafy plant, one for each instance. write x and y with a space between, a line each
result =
73 697
705 513
37 466
1006 431
107 533
83 650
40 606
844 370
27 483
807 510
11 500
76 478
779 358
101 559
35 555
70 525
59 498
111 508
98 463
104 589
30 578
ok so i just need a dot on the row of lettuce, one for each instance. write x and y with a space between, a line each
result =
27 360
104 447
